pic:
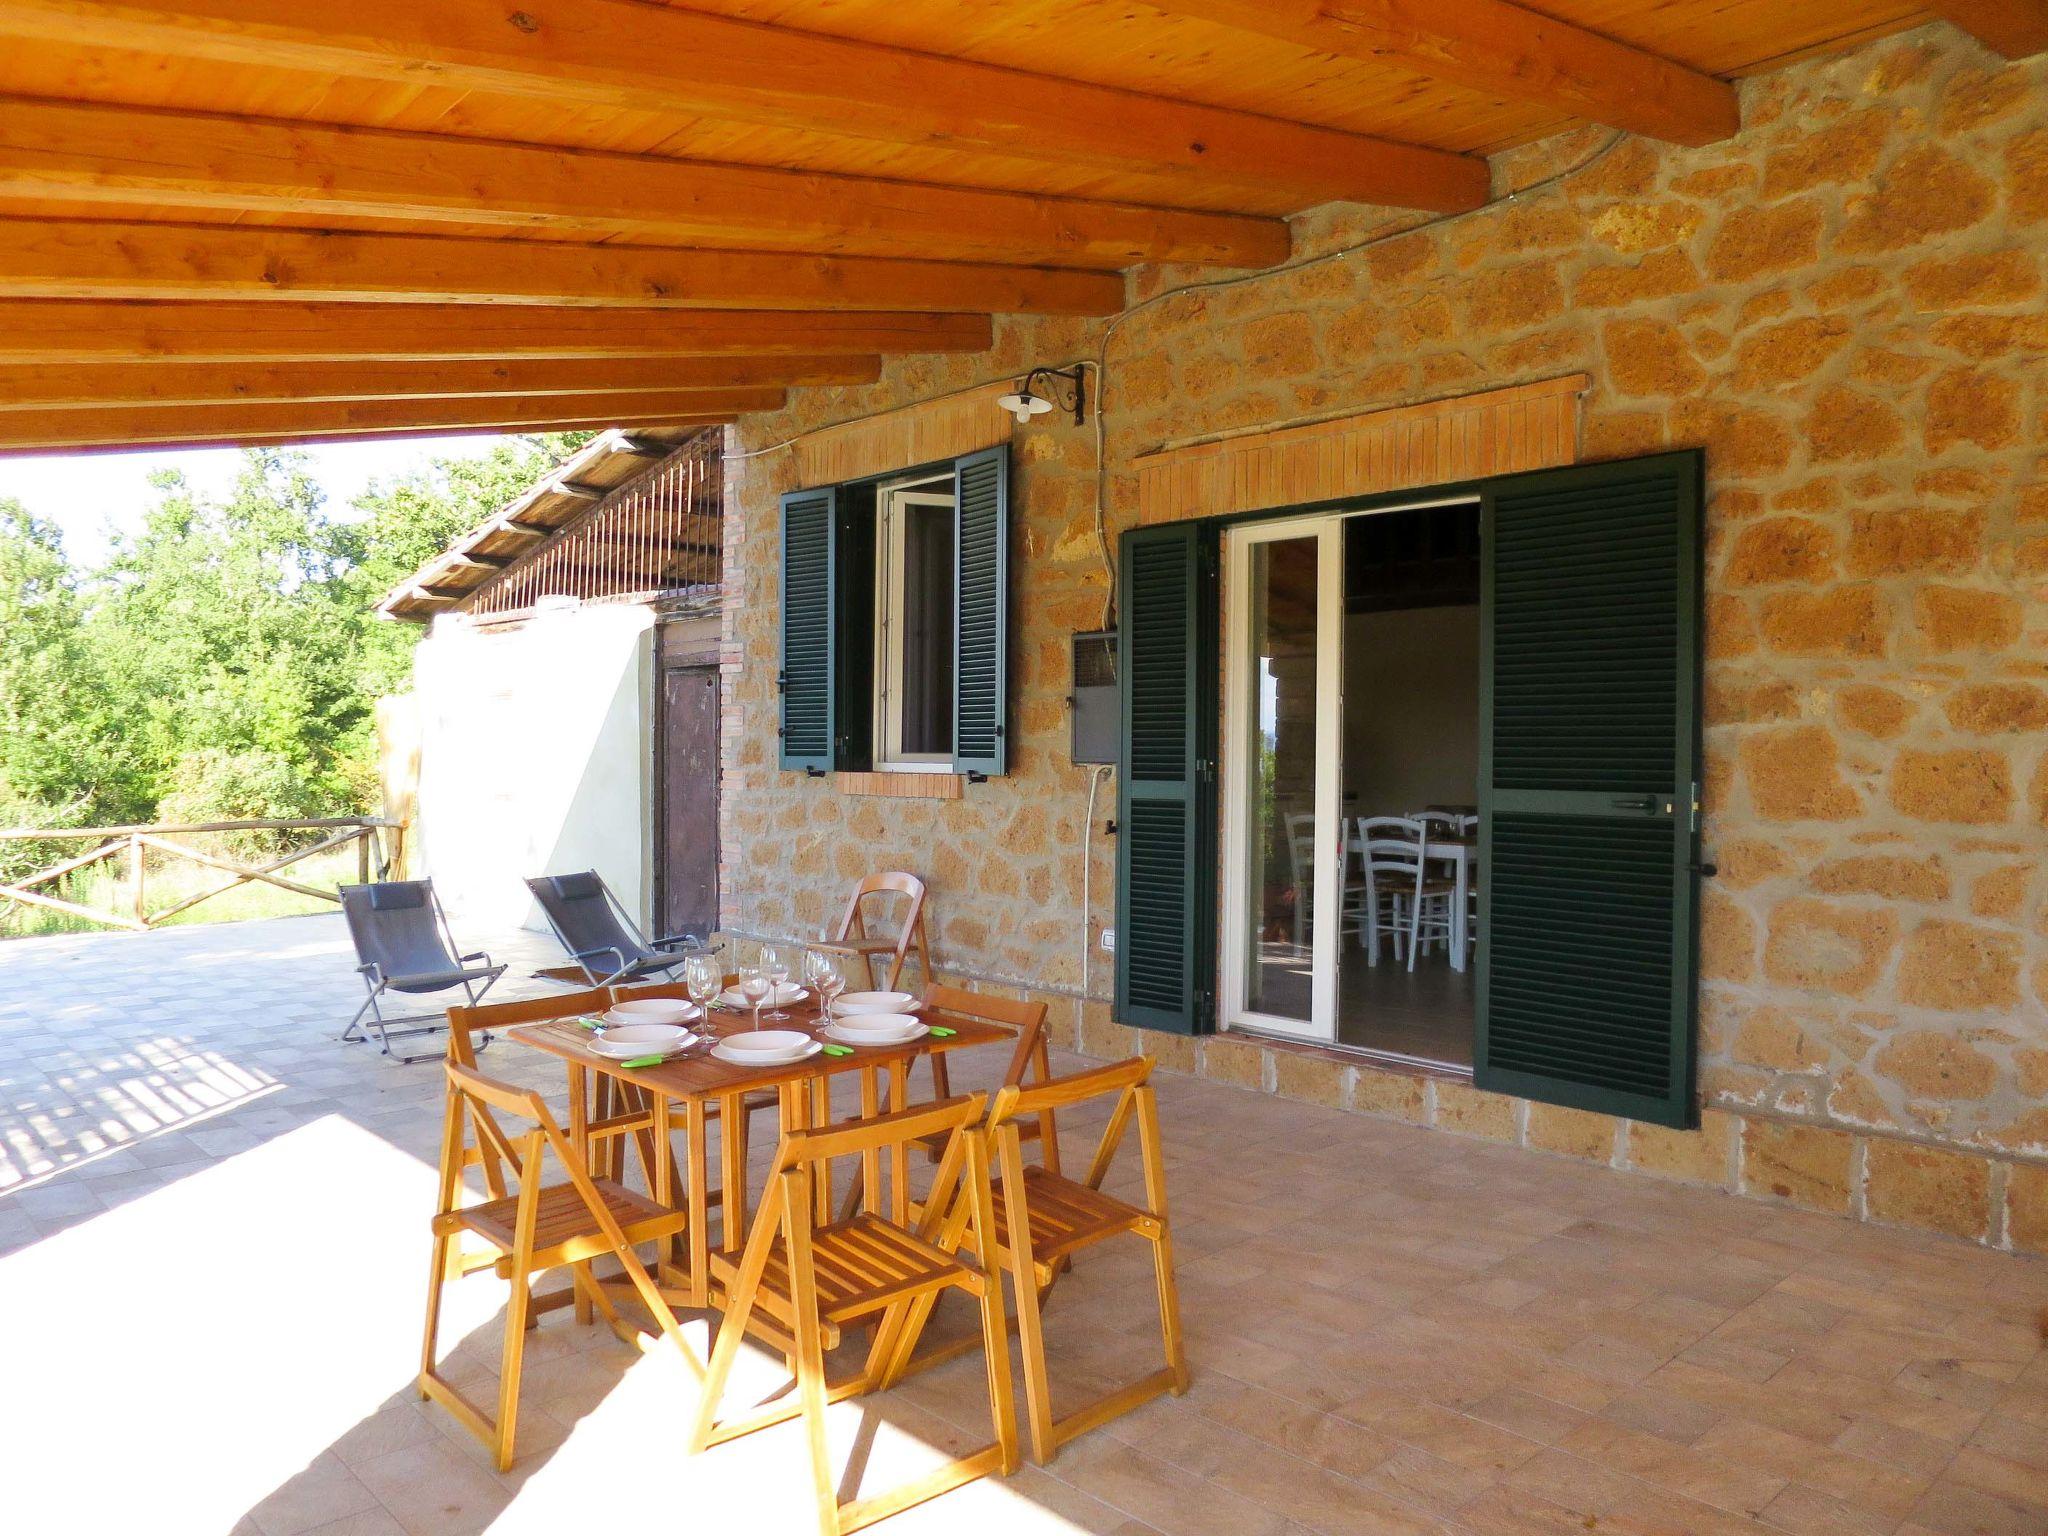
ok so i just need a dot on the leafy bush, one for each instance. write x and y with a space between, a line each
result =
213 784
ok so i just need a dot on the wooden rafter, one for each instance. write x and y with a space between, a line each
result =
616 54
2017 29
310 174
92 259
58 331
28 384
1502 50
118 426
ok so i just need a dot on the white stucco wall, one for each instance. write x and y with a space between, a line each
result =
536 753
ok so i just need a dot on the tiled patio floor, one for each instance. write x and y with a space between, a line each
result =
208 1319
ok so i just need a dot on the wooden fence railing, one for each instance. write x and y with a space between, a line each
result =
374 858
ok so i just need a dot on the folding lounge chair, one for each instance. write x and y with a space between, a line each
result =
603 943
403 945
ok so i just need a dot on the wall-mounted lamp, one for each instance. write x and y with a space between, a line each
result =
1043 388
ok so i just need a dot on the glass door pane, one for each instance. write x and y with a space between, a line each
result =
1279 701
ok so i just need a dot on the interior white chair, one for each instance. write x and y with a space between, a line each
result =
1382 910
1397 864
1301 857
1439 823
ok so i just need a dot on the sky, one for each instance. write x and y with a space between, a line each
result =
90 495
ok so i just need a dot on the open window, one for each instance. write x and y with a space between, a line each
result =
895 625
916 544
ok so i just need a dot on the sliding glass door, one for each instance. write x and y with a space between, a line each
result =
1283 597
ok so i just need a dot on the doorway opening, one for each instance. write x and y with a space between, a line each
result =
1352 768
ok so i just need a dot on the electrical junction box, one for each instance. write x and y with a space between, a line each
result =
1096 712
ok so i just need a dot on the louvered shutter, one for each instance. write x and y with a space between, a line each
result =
809 614
1166 815
1590 756
981 553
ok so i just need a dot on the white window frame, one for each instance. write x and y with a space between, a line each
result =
890 499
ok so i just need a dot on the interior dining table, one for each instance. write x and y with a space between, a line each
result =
680 1092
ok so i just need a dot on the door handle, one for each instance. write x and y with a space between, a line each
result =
1635 803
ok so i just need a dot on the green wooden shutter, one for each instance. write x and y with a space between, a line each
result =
1166 799
981 628
809 628
1590 750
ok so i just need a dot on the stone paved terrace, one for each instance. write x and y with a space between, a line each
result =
213 1247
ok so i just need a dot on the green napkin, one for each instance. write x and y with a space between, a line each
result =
588 1023
644 1061
941 1032
838 1050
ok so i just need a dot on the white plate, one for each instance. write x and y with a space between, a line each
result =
625 1041
846 1032
762 1058
789 992
848 1003
768 1041
654 1010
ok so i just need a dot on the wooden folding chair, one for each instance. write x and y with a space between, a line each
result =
1029 1056
797 1285
533 1228
605 1119
1045 1218
854 940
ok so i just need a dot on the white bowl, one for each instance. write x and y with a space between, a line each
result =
855 1032
848 1003
653 1010
789 992
626 1041
765 1042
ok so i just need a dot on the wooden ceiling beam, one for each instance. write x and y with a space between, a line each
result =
622 55
138 426
2015 29
1504 51
41 259
30 384
81 331
92 154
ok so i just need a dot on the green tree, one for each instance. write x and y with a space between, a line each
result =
402 525
58 742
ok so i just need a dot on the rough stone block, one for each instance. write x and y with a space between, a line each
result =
1704 1156
1234 1060
2026 1207
1928 1188
1574 1132
1806 1164
1377 1091
1465 1109
1312 1077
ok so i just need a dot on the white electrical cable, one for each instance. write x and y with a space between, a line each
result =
1095 776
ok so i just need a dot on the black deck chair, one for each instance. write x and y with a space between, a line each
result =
403 945
602 941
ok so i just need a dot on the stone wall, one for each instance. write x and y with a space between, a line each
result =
1844 306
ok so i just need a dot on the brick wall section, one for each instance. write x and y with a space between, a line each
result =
1844 306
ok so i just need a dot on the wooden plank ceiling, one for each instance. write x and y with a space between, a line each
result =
268 220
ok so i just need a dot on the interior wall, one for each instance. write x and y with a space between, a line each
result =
1411 709
536 757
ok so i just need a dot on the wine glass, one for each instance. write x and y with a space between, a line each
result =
754 987
821 969
775 966
702 978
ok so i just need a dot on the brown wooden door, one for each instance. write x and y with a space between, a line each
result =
689 800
